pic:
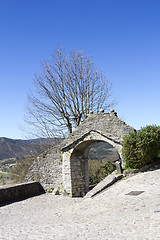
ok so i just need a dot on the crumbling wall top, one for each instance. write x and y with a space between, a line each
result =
106 123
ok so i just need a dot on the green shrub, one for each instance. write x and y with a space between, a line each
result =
101 173
142 147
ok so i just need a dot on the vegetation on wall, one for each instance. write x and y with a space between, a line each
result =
100 159
142 147
98 171
19 171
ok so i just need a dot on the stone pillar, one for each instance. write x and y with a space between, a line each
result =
78 176
118 167
66 174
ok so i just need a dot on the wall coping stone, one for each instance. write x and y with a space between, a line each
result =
20 192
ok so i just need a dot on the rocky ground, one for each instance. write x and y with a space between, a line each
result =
113 214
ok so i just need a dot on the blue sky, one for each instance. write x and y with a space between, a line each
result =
123 36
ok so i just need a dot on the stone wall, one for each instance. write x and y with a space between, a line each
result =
20 191
65 167
104 127
108 124
47 169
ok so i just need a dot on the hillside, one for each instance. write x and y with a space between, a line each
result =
10 148
103 152
16 156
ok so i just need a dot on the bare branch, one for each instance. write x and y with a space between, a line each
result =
66 90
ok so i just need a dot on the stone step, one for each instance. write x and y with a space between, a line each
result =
105 183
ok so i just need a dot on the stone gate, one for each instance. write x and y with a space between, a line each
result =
103 127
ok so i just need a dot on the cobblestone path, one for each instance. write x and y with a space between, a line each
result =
110 215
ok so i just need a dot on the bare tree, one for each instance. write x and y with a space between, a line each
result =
67 89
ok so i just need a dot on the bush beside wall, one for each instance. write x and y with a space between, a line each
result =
142 147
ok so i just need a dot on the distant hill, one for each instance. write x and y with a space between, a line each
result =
10 148
103 152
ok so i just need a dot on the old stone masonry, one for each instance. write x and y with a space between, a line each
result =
65 167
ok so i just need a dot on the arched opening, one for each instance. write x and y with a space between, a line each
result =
79 163
101 159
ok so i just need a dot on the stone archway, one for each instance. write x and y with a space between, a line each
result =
58 171
75 163
79 167
104 127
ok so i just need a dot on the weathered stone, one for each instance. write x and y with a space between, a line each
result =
118 166
20 191
48 174
68 167
56 191
107 182
106 127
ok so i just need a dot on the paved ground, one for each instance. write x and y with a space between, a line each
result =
110 215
